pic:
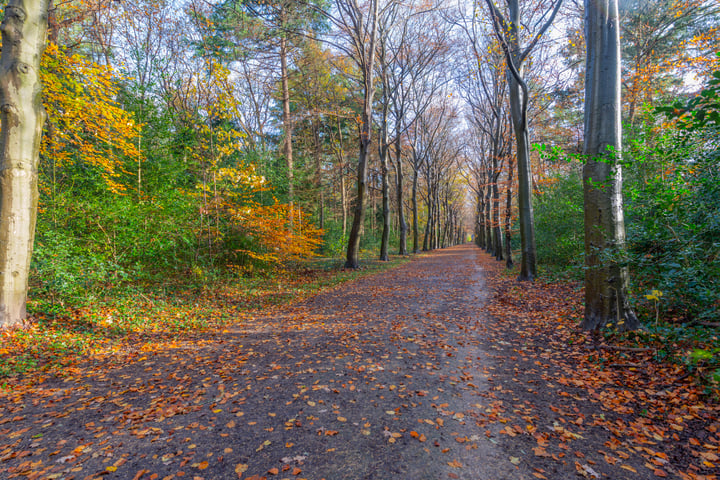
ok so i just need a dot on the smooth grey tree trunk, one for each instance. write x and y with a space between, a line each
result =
383 152
24 34
606 278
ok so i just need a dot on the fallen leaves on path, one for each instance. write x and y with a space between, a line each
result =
625 394
436 368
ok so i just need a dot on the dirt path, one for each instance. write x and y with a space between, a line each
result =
375 379
394 376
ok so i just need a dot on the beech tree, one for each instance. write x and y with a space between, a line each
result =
24 34
509 32
606 278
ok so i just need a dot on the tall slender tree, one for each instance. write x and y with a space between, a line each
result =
509 31
606 277
357 26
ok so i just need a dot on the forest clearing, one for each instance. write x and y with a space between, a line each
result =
331 239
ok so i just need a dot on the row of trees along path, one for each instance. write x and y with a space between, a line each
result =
22 115
440 368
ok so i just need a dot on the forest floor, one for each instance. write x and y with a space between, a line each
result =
443 367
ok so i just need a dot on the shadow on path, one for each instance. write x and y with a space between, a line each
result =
382 378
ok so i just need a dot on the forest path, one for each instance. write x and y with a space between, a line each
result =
398 375
375 379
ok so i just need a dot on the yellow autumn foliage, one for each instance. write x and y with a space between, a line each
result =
85 122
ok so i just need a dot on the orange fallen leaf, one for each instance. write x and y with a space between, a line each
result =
540 452
240 468
140 474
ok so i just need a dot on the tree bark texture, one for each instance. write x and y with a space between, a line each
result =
606 279
24 34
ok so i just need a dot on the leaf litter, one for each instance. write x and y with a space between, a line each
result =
443 367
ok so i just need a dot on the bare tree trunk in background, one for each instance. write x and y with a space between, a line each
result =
24 35
385 186
509 34
400 201
318 171
287 126
479 227
606 279
416 228
488 218
508 215
364 30
497 231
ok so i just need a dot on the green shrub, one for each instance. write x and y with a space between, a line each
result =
559 223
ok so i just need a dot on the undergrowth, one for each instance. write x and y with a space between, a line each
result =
161 313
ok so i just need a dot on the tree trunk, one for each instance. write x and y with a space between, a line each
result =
318 172
385 202
287 126
497 232
353 248
488 221
343 189
399 183
606 279
479 227
416 228
428 230
509 32
508 215
24 33
518 108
